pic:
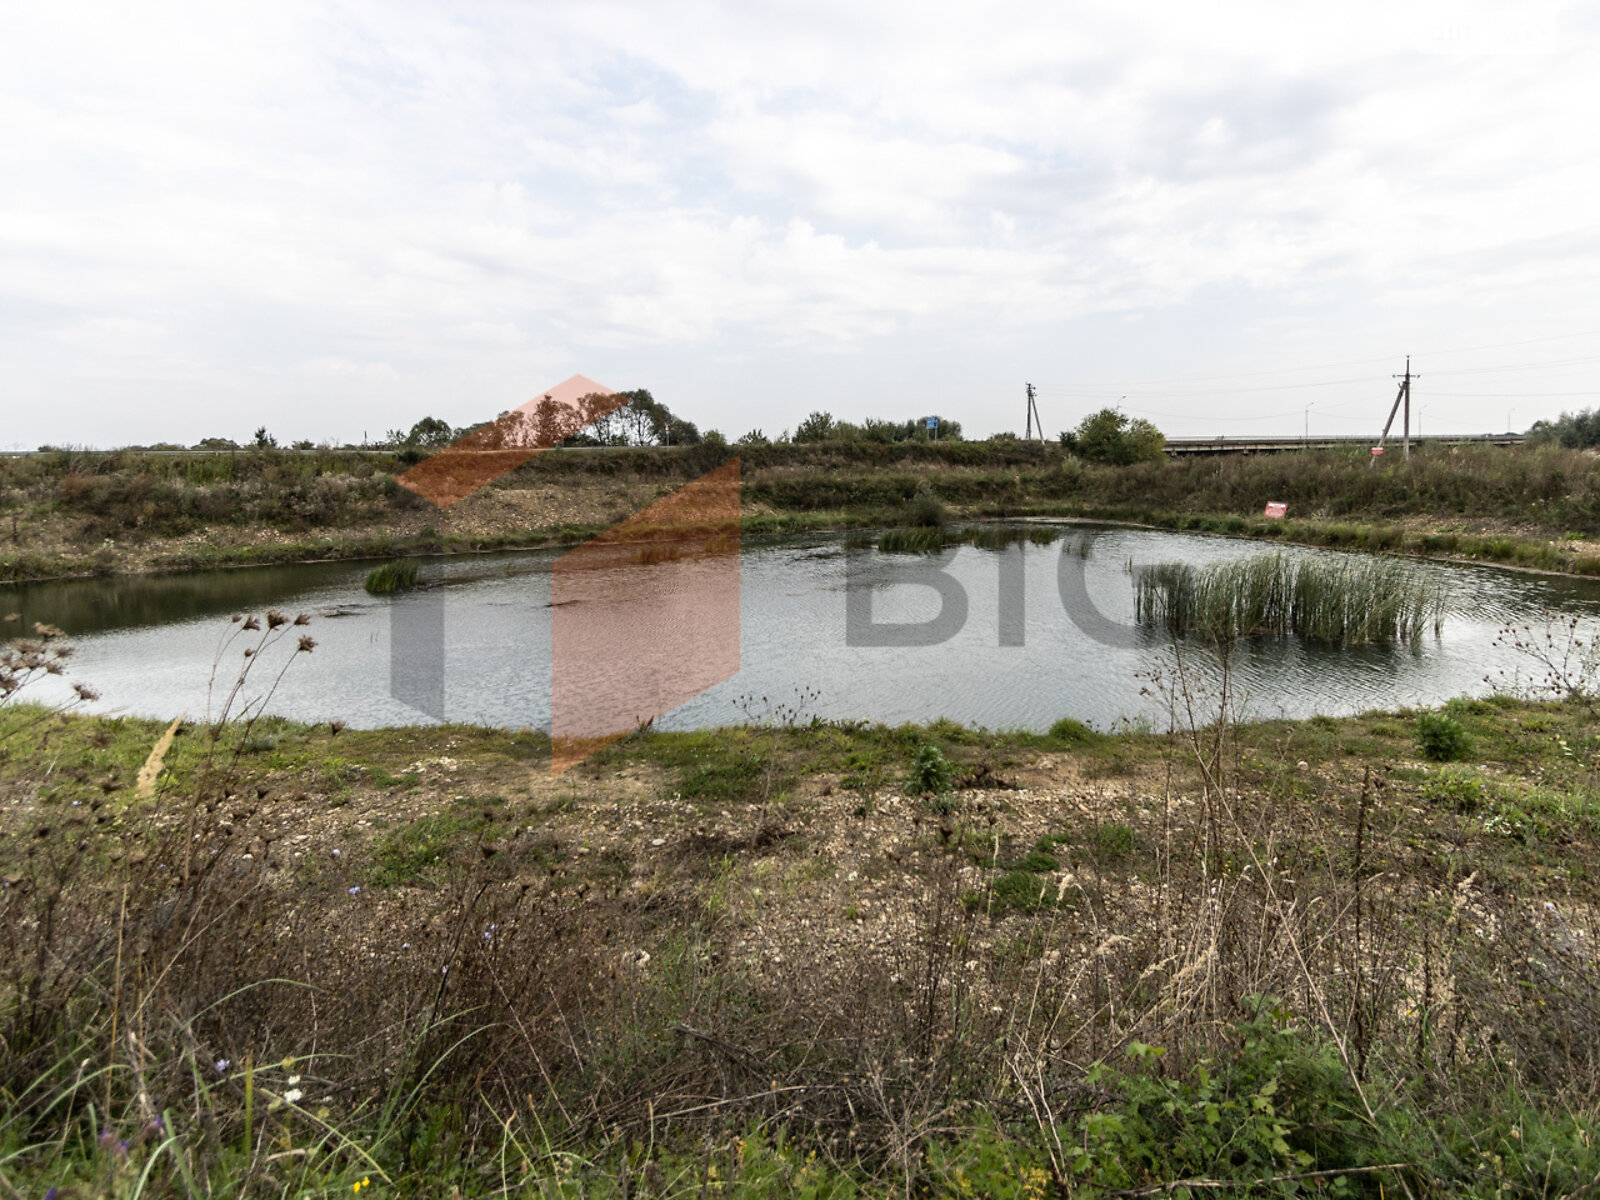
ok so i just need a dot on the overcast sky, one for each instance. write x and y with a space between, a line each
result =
336 218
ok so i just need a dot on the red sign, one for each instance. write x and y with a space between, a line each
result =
1377 449
1277 509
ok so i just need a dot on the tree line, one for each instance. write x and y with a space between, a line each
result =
1575 431
1107 436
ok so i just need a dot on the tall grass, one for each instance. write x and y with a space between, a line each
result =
515 1016
918 539
392 577
1350 602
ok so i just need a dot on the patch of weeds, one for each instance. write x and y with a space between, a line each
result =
816 869
410 852
864 771
1014 891
382 778
719 766
1512 823
612 866
1564 811
955 733
942 805
723 778
1113 760
718 894
1463 791
1067 732
335 775
1112 841
527 745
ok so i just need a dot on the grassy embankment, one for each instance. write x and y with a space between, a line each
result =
77 513
802 960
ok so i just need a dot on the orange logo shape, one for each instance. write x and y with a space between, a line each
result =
482 456
644 617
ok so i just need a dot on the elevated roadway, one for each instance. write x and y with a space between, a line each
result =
1246 444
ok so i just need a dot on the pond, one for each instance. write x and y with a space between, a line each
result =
1047 633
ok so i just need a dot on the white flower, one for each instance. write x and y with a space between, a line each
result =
292 1096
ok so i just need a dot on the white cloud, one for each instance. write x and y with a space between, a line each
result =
437 207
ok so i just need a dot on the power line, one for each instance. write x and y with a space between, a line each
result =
1560 362
1553 362
1559 337
1279 387
1507 395
1148 412
1364 361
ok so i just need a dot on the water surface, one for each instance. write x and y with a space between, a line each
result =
148 644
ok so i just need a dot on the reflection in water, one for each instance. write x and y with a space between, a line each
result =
82 606
1018 659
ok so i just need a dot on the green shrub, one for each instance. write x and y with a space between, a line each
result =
1282 1104
1039 861
1022 891
924 510
930 772
1113 841
1442 738
1072 733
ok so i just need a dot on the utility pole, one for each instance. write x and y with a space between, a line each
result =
1028 435
1403 395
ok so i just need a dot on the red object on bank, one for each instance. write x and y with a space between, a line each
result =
1377 449
1276 508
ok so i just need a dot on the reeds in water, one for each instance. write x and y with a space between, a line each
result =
1002 537
917 539
392 577
931 540
1342 602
